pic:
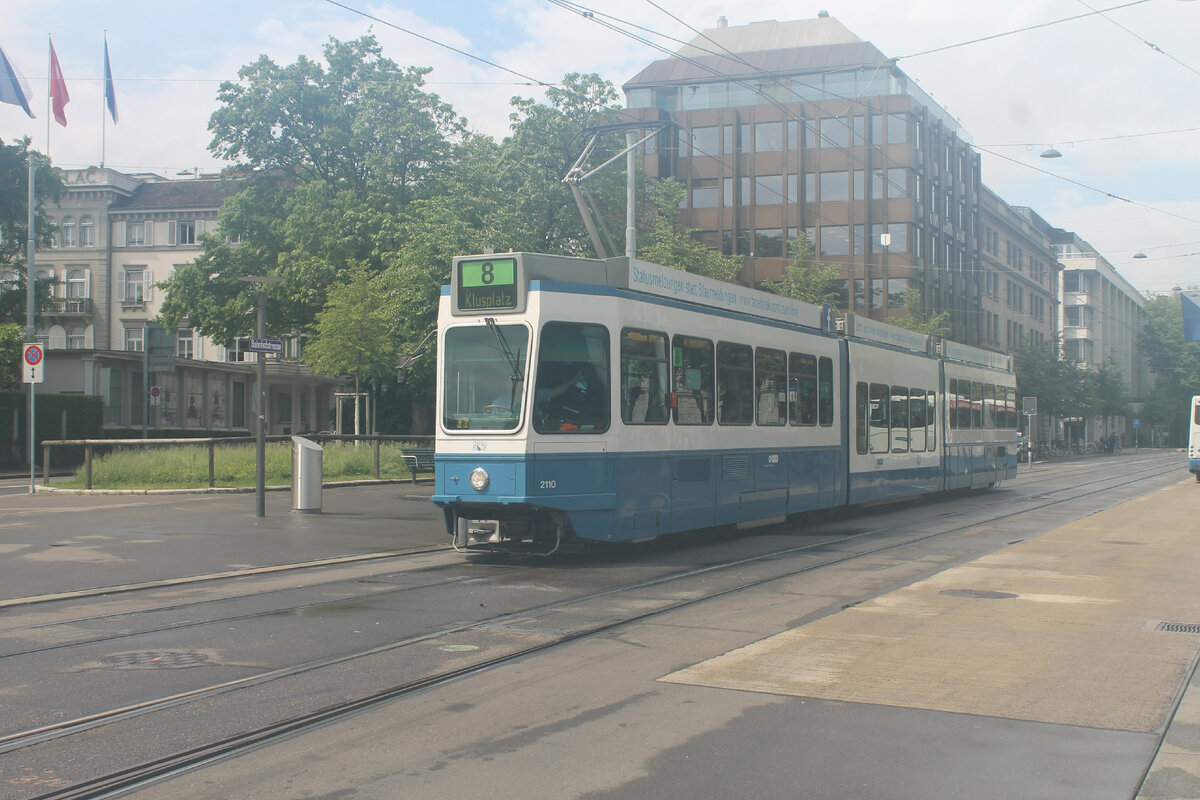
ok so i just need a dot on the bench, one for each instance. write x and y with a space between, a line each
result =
418 459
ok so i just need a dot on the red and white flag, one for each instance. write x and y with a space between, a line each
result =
58 89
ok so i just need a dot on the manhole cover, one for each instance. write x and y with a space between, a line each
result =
155 659
979 594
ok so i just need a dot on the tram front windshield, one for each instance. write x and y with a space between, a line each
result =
484 377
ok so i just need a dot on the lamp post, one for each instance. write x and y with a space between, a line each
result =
260 469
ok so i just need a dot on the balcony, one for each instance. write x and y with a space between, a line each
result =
73 305
1076 332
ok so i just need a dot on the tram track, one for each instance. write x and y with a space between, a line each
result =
154 770
284 609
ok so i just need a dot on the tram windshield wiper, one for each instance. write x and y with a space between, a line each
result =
514 362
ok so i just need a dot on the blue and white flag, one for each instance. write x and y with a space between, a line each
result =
110 92
14 89
1190 301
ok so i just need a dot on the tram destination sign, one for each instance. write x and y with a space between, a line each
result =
487 284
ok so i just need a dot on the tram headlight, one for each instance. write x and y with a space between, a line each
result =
480 479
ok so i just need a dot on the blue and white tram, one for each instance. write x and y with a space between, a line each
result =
615 400
1194 438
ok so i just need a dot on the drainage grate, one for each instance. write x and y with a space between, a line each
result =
1178 627
155 659
978 594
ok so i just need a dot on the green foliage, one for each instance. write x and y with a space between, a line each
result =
1061 385
85 416
1174 362
807 280
12 341
338 151
918 319
546 140
14 225
355 332
234 465
672 245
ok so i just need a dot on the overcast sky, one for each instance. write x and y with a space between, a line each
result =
1116 92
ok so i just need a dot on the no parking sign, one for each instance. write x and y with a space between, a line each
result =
31 361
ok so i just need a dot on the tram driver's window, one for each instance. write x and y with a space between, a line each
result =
571 393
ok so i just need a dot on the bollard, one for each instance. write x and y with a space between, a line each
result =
306 476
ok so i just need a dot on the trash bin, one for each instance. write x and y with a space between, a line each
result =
306 476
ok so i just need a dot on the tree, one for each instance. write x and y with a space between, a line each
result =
807 280
14 225
1174 362
338 151
12 340
672 245
546 140
355 331
917 318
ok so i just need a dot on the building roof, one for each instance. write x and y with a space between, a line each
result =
188 194
747 51
769 35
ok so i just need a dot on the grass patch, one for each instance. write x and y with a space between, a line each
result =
186 466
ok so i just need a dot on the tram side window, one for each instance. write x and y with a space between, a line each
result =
571 393
770 380
952 403
825 391
931 420
917 421
989 405
899 421
735 384
802 389
692 380
643 377
878 420
976 403
1013 418
861 404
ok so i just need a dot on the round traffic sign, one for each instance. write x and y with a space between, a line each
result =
33 354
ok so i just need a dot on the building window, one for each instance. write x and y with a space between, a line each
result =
705 142
135 234
185 343
835 133
704 193
181 232
87 232
68 232
76 338
133 339
769 190
768 137
76 284
134 286
768 242
835 187
835 240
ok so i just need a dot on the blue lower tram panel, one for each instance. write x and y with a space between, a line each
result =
613 498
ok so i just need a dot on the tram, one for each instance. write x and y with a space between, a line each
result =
612 400
1194 438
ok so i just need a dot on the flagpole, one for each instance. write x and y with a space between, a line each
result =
49 79
103 103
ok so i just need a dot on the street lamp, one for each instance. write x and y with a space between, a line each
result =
260 470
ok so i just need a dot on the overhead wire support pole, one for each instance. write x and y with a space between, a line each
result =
576 176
